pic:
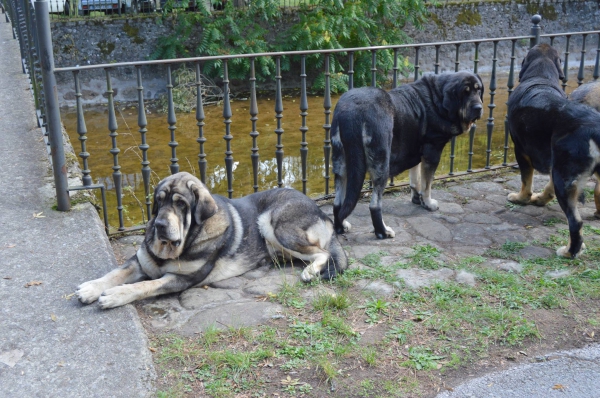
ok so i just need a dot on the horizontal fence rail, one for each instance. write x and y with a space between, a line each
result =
479 138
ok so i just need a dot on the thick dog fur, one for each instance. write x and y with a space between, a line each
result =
385 133
553 136
198 238
588 94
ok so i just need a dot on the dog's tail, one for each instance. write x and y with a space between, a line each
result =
338 262
349 165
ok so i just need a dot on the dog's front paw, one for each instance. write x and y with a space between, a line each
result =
518 198
88 292
564 251
308 274
346 225
429 204
116 297
540 199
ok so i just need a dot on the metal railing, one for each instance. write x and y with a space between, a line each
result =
33 50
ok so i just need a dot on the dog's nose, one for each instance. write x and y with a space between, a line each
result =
478 107
161 227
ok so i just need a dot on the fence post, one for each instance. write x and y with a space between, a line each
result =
59 166
535 30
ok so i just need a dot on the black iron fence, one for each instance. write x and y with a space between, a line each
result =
31 26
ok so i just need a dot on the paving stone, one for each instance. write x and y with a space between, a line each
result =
446 218
415 278
509 236
375 287
198 298
502 227
450 208
234 315
487 186
499 200
513 217
270 284
465 192
470 234
530 252
504 265
403 208
443 196
391 260
482 218
163 312
467 251
481 206
132 239
256 273
232 283
318 291
465 278
362 209
558 274
531 210
542 234
363 250
430 229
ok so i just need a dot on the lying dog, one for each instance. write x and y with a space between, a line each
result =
553 136
198 238
588 94
385 133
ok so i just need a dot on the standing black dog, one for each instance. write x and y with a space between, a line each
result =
553 135
386 133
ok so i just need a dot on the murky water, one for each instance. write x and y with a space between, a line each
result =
159 154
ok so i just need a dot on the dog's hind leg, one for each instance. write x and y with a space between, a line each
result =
540 199
523 197
414 176
130 272
429 163
379 180
567 193
597 196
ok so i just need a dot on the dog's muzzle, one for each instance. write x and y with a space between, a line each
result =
475 113
164 233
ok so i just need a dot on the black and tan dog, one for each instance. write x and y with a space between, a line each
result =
553 135
385 133
198 238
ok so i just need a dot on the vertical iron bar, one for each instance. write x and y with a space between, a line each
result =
437 59
304 127
278 116
453 140
535 30
395 78
474 126
490 124
112 127
350 70
82 131
510 85
566 66
59 166
200 123
327 125
417 66
253 119
142 123
171 119
597 63
476 61
228 137
580 75
373 68
552 41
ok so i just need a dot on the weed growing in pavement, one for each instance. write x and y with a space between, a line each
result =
424 256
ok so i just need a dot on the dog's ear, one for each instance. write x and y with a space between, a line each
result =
558 63
205 206
155 201
451 89
523 68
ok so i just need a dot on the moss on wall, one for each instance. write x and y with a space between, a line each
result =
133 32
547 11
106 47
468 16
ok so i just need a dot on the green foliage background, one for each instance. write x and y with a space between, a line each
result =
316 25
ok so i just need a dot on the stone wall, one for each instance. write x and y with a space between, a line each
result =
96 42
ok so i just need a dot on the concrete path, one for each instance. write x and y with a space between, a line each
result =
51 345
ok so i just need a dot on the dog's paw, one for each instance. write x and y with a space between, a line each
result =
346 226
430 204
597 214
540 199
88 292
308 274
115 297
564 251
517 198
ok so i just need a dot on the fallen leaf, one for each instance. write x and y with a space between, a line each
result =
290 382
53 317
68 296
61 364
38 215
558 387
33 283
152 349
9 245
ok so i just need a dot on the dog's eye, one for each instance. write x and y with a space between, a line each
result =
181 204
467 89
